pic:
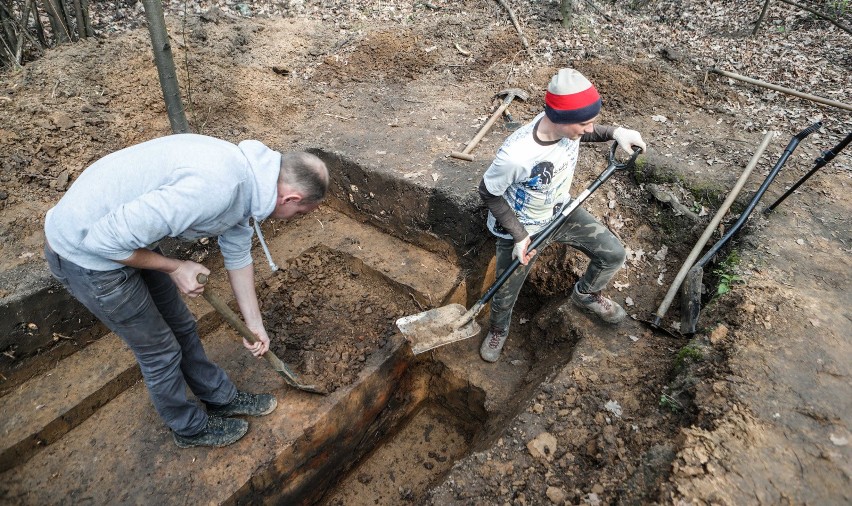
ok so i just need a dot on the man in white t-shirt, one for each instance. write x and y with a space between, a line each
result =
527 185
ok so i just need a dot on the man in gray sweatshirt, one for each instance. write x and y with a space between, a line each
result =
101 244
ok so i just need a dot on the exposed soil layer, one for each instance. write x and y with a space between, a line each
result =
422 451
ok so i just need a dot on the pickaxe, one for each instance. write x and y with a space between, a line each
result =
508 95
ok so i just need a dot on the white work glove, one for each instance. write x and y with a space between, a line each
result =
628 139
520 251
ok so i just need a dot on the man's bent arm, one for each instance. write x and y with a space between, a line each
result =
184 273
242 282
601 133
502 213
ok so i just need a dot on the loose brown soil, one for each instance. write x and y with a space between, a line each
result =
327 313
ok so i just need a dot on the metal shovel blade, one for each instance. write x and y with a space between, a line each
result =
690 300
434 328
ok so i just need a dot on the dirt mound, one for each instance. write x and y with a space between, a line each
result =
393 55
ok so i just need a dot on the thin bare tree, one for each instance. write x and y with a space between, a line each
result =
165 62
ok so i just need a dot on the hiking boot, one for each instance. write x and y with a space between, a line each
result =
218 432
245 404
606 309
493 343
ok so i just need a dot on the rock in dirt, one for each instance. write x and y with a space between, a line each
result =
543 446
718 334
556 495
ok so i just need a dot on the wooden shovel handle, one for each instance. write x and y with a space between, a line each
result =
711 227
231 317
227 313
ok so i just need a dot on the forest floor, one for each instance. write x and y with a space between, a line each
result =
755 409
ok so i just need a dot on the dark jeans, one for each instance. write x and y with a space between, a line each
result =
582 231
144 308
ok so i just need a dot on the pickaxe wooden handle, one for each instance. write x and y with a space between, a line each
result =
508 95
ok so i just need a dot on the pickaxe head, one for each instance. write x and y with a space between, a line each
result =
510 94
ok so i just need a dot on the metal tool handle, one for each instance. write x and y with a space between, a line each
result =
733 229
709 230
544 235
819 163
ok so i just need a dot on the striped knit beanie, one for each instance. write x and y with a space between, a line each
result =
571 98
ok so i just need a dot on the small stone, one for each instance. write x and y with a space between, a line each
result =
556 495
62 121
838 440
542 446
613 407
592 499
62 180
718 334
671 54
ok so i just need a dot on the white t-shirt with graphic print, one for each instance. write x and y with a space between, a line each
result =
534 178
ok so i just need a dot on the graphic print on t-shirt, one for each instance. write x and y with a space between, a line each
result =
540 176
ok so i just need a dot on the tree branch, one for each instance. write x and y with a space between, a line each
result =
819 15
517 27
760 19
788 91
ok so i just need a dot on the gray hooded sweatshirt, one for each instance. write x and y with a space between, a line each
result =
186 186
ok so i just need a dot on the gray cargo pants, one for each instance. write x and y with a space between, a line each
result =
144 308
582 231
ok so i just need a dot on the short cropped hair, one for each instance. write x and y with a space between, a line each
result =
306 173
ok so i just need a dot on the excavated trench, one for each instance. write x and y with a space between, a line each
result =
392 425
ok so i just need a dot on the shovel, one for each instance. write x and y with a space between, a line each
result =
826 156
711 227
690 301
451 323
280 367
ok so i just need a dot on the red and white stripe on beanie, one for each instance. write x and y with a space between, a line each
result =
571 98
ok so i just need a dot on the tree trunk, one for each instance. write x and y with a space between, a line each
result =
57 20
165 65
68 20
81 24
567 10
87 22
7 39
25 16
42 38
9 36
760 19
